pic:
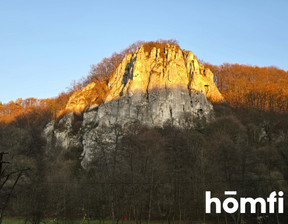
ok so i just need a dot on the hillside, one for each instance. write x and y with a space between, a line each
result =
261 88
144 136
154 85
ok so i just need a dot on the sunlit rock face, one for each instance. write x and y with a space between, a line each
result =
171 68
80 99
155 87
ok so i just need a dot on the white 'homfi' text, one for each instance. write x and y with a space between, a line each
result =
231 204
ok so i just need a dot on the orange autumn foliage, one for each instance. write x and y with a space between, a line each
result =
14 110
243 86
263 88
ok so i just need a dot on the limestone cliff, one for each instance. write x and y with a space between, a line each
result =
153 86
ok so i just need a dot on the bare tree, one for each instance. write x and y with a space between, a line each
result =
8 181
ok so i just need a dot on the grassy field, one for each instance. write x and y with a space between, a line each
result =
21 221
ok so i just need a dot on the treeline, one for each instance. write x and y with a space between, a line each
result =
154 173
243 86
14 110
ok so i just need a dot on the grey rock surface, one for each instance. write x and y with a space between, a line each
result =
146 88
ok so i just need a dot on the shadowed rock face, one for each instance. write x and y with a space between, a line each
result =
150 87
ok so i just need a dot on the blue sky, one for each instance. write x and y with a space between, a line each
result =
45 45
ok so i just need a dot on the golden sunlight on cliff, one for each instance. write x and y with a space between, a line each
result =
93 93
144 71
149 67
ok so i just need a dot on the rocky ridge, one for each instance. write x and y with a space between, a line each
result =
154 86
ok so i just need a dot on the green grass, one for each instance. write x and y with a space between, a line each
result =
21 221
12 221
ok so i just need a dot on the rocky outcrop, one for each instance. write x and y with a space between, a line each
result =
64 134
142 72
154 87
80 99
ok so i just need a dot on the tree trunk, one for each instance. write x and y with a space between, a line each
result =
150 199
225 215
112 211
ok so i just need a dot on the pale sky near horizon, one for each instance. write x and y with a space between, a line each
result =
45 45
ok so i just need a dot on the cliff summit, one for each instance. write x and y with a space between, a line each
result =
147 69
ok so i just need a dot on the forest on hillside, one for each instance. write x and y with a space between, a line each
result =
243 86
155 174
